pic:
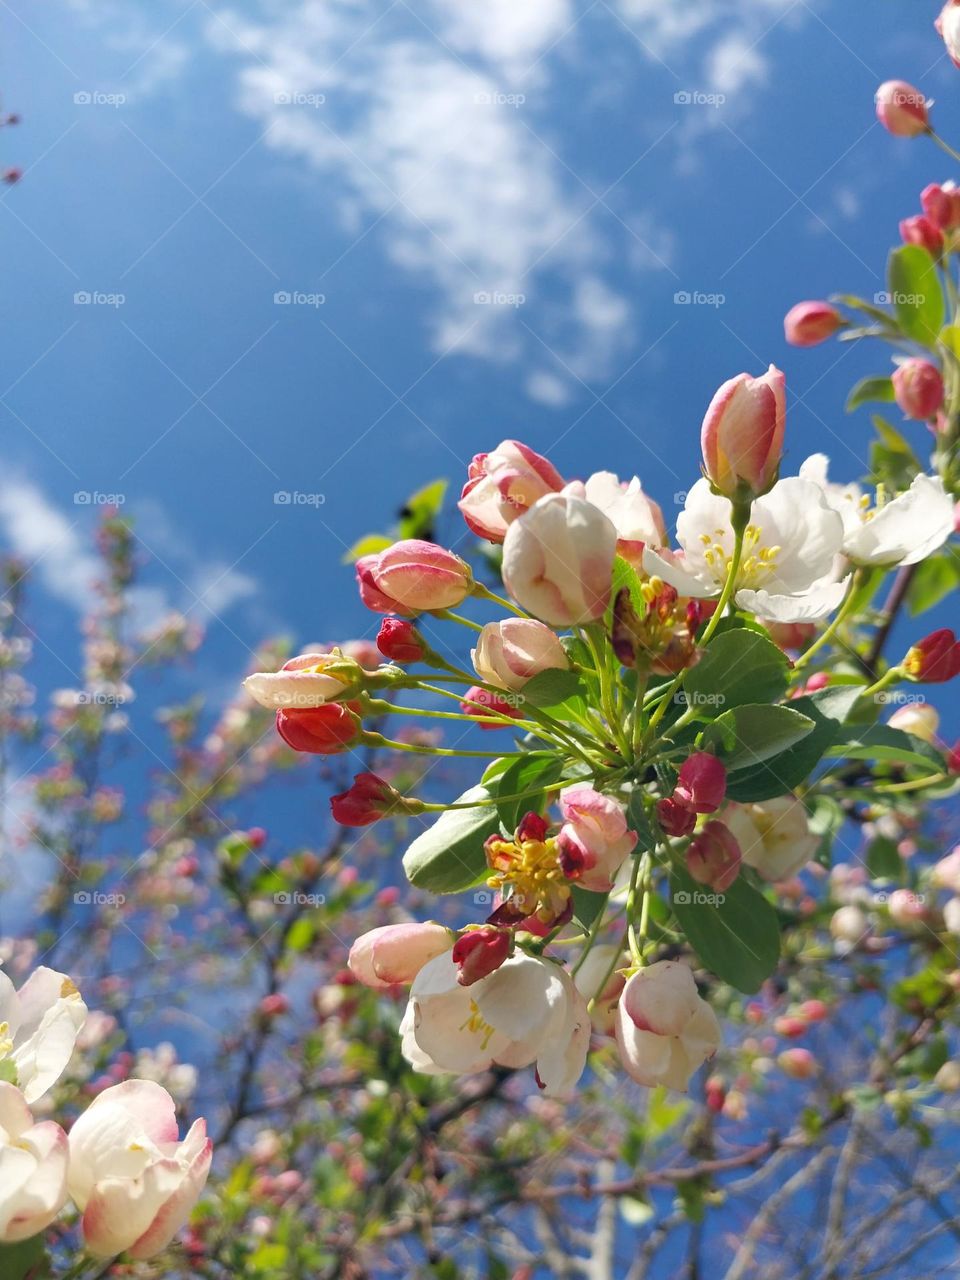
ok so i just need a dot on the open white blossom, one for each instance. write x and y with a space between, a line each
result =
788 571
39 1025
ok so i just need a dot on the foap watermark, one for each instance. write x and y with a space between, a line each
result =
494 98
95 498
295 98
295 498
97 98
298 298
93 898
483 898
697 98
698 898
98 298
295 898
698 698
897 299
100 698
898 698
697 298
680 498
497 298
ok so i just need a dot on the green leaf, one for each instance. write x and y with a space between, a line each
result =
892 461
868 389
555 691
738 667
933 580
24 1261
8 1071
736 934
369 545
950 339
529 773
747 735
883 743
638 821
916 293
860 304
421 510
301 935
449 856
587 905
883 859
827 709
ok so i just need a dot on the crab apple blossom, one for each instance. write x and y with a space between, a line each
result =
948 26
907 908
321 731
395 953
791 543
922 719
490 708
660 633
951 916
502 485
900 530
39 1025
665 1031
849 924
742 435
713 857
530 870
637 519
902 109
676 818
594 839
478 952
809 323
774 836
527 1011
368 799
934 659
600 982
131 1177
946 872
510 653
400 641
33 1168
412 577
558 559
920 230
310 680
918 387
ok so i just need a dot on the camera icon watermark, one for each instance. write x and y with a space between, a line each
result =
483 898
294 498
295 898
698 698
298 298
98 298
897 299
93 898
498 298
94 498
697 98
698 298
294 98
100 698
97 98
699 898
680 498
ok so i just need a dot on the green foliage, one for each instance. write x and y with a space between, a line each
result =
747 735
449 857
738 667
916 293
735 933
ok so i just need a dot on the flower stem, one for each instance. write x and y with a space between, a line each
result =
483 593
829 632
371 739
944 146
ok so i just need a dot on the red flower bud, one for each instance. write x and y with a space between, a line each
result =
941 204
676 818
935 658
478 952
713 857
320 731
953 758
920 230
702 783
400 641
367 800
480 702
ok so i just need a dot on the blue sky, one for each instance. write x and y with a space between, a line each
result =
388 165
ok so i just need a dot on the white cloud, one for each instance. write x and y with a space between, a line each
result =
735 63
513 36
51 545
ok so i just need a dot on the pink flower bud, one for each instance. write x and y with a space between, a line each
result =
413 577
675 817
920 230
941 204
664 1029
702 783
907 908
396 953
10 176
503 485
368 799
713 857
742 435
594 838
809 323
814 1010
791 635
509 653
934 659
790 1026
478 952
902 109
558 560
481 702
400 641
948 25
798 1064
274 1005
321 731
918 388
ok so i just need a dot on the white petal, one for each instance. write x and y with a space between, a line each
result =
820 601
664 564
907 529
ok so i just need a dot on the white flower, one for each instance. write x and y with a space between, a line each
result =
301 682
636 517
130 1176
901 530
39 1025
919 718
665 1031
788 569
774 836
33 1169
526 1011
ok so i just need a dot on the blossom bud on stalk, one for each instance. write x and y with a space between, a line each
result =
510 653
918 388
478 952
502 485
920 230
413 577
400 641
664 1029
395 953
310 680
701 783
902 109
675 817
798 1064
713 857
594 840
321 731
742 435
481 702
941 204
919 718
809 323
368 799
934 659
